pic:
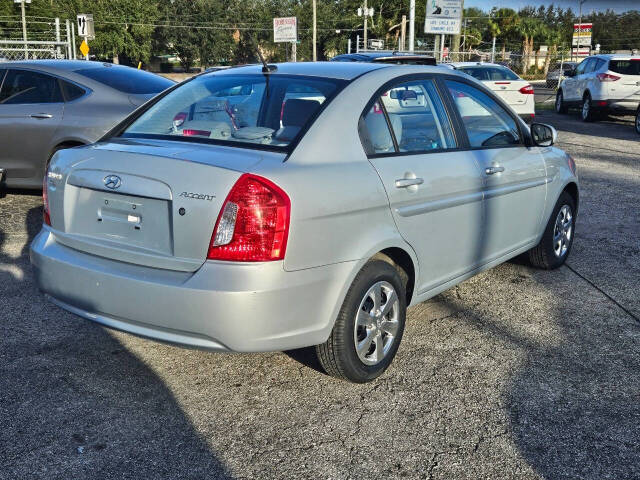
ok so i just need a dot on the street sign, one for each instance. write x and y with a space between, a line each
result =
443 17
85 26
285 29
84 48
376 44
20 1
582 32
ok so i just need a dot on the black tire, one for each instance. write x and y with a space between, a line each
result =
587 113
544 254
338 355
561 107
638 120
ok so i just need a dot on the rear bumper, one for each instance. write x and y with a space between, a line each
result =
222 306
623 106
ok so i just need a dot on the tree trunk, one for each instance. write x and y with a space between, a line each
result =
116 59
504 52
525 56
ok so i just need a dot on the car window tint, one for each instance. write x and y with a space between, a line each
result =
374 131
126 79
625 67
71 91
418 117
499 73
581 67
486 122
24 86
477 73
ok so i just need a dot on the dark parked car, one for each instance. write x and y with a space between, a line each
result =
400 58
48 105
559 70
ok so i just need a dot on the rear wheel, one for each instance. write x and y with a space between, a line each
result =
369 327
638 120
561 107
557 239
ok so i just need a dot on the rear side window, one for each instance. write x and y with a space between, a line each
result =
625 67
25 87
417 118
126 79
486 122
71 91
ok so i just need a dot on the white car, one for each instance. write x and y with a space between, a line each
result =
518 93
601 84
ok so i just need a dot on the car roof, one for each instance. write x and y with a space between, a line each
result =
476 64
615 56
335 70
57 66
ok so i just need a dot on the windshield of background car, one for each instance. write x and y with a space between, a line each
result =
489 73
127 80
625 67
269 111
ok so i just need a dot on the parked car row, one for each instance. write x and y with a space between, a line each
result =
266 208
49 105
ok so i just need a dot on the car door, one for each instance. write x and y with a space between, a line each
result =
31 108
434 190
515 178
579 80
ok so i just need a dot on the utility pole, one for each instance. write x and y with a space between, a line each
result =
403 34
493 51
57 37
412 24
366 17
315 53
24 31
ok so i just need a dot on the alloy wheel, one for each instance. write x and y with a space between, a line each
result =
563 231
586 108
377 323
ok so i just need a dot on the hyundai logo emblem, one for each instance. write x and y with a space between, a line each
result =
112 181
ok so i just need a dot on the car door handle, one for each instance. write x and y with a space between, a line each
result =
41 115
408 182
492 170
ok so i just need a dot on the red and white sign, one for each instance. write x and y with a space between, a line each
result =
582 33
445 52
285 29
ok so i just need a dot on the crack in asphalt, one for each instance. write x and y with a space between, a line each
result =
609 297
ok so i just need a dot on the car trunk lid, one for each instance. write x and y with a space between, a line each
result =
153 203
509 90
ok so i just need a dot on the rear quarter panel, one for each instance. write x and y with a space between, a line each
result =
339 207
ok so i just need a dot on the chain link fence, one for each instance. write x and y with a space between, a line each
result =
50 39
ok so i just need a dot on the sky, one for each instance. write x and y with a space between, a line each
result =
589 5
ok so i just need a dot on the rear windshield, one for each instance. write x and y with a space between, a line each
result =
625 67
490 73
265 111
127 80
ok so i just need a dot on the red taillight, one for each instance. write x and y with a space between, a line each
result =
607 77
253 224
189 132
46 218
527 90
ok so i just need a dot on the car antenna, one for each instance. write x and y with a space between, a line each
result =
266 68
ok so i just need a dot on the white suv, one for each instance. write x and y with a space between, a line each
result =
602 84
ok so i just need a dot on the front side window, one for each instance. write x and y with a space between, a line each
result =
269 110
27 87
582 66
486 122
416 115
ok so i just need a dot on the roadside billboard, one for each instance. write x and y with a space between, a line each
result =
443 17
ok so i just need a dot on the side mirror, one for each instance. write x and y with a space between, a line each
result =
543 135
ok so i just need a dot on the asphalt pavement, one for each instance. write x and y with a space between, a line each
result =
516 373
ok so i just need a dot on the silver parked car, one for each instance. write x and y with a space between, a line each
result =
48 105
302 221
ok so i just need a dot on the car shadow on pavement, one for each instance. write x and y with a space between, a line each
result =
614 128
75 403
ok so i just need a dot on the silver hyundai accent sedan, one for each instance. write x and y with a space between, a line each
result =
261 209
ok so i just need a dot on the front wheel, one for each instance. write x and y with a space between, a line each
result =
561 107
557 239
369 327
587 113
